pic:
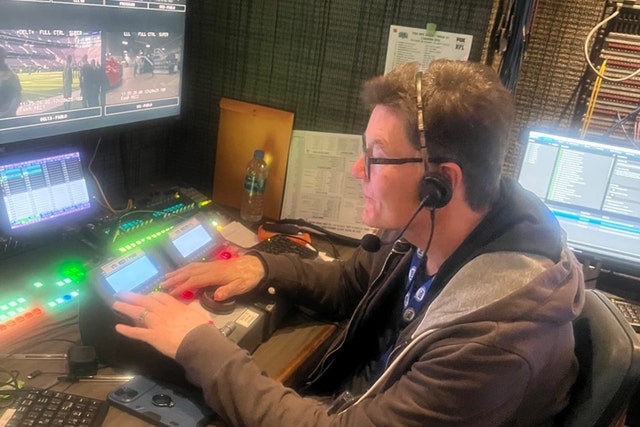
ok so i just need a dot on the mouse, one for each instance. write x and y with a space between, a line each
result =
217 307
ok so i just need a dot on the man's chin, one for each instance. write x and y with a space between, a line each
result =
369 220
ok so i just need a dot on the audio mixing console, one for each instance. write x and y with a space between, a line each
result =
42 277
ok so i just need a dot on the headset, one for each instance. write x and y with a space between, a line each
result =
435 189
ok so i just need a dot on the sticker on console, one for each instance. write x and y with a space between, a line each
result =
247 317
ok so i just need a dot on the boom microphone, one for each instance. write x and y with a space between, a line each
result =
372 243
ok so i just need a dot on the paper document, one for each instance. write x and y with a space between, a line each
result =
239 235
408 44
319 187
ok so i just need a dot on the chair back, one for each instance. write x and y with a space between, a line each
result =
608 351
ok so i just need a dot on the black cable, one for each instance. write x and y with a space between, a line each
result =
432 212
338 238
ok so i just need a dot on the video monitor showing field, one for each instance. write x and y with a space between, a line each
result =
143 70
51 71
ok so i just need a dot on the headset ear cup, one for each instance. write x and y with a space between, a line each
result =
436 189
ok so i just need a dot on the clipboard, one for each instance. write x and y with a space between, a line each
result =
243 128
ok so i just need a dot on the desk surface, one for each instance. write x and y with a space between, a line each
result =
286 356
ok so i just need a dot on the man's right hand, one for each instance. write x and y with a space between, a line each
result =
233 277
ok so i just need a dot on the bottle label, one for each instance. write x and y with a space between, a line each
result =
255 185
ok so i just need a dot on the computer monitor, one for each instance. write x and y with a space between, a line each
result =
42 191
594 190
81 65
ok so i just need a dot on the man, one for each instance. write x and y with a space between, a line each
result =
67 82
465 320
10 88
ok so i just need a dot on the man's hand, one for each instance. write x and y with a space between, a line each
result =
233 277
162 321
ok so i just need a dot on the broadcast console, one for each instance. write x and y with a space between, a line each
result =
131 251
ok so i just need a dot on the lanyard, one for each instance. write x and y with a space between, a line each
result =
417 285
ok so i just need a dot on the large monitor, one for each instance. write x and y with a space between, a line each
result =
75 65
594 191
42 192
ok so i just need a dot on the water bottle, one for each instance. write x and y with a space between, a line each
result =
255 183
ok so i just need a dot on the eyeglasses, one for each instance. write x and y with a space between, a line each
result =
368 160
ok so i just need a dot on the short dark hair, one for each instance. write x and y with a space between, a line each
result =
467 117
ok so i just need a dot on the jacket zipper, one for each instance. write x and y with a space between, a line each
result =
320 368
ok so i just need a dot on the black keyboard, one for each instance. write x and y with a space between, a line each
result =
39 407
281 244
630 311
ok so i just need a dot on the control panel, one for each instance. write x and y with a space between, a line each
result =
150 219
46 275
49 281
247 320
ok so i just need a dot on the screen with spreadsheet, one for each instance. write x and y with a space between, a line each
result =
43 191
594 191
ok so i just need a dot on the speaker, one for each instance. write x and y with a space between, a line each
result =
435 189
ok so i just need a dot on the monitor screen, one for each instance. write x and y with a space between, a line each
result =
594 191
76 65
40 191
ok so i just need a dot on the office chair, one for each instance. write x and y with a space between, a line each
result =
608 351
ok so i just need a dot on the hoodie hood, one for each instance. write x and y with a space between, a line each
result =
515 265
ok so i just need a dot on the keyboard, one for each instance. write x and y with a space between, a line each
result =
630 311
281 244
40 407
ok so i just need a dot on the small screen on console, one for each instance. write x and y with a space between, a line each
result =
43 190
594 191
192 240
132 276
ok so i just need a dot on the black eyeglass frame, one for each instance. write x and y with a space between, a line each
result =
368 160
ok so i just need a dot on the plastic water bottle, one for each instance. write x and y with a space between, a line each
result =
255 183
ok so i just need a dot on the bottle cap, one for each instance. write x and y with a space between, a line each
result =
258 154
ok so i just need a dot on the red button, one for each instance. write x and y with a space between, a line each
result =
188 295
225 255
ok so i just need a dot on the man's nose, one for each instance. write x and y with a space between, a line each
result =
357 169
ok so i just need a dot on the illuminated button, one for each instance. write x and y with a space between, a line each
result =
75 294
3 317
37 311
51 304
38 284
20 319
59 300
67 297
28 315
67 280
13 304
3 327
188 295
20 309
225 255
11 323
12 313
22 300
4 307
60 283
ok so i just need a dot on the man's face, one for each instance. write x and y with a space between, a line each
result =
391 192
